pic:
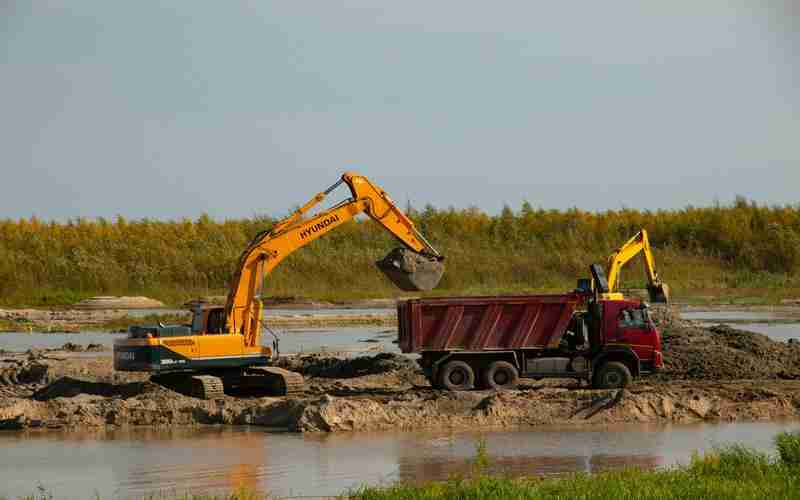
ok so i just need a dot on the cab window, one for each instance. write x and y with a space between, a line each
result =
633 318
197 322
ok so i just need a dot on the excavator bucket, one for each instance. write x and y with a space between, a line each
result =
411 271
659 294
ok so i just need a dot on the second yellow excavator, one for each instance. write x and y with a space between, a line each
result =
222 350
640 243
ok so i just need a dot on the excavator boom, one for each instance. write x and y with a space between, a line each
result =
640 243
221 350
417 266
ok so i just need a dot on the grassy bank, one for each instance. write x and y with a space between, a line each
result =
740 252
731 472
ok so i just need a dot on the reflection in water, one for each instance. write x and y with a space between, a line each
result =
140 462
205 460
419 470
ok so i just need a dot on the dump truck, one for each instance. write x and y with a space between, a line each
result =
490 342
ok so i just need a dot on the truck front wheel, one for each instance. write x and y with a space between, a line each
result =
457 376
612 375
500 375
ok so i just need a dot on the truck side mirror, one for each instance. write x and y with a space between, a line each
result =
599 278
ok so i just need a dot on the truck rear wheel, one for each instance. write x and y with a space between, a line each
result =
612 375
457 376
500 375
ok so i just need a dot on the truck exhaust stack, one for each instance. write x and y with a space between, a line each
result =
411 271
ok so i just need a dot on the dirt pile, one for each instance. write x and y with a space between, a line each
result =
548 405
68 387
384 401
724 353
665 316
70 347
329 367
110 302
22 378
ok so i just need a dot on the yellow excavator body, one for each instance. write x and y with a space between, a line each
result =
222 348
657 290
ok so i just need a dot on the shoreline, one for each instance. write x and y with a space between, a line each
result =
62 320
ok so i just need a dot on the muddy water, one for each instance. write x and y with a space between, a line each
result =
722 316
339 339
775 331
774 325
123 464
16 341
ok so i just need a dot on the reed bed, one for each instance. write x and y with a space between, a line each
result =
729 251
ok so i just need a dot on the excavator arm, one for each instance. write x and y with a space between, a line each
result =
640 243
243 308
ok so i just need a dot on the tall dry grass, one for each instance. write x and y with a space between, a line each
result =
736 249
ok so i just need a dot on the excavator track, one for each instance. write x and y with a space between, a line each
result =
277 381
195 386
207 387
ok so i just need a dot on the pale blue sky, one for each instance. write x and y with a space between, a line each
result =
239 108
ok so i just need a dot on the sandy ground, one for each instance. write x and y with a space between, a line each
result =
713 374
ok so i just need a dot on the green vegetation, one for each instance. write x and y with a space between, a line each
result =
742 253
731 472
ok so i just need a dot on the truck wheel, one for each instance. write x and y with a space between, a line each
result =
500 375
612 375
457 376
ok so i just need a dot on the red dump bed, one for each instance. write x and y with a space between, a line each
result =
484 323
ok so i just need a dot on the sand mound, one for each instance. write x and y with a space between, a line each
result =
327 367
724 353
119 303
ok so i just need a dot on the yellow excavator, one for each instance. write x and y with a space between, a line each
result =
640 243
221 350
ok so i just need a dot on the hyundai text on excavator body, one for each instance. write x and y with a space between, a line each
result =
222 350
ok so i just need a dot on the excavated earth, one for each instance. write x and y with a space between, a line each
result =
716 373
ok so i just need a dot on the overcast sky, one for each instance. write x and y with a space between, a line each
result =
172 109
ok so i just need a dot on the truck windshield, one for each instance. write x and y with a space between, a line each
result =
634 318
